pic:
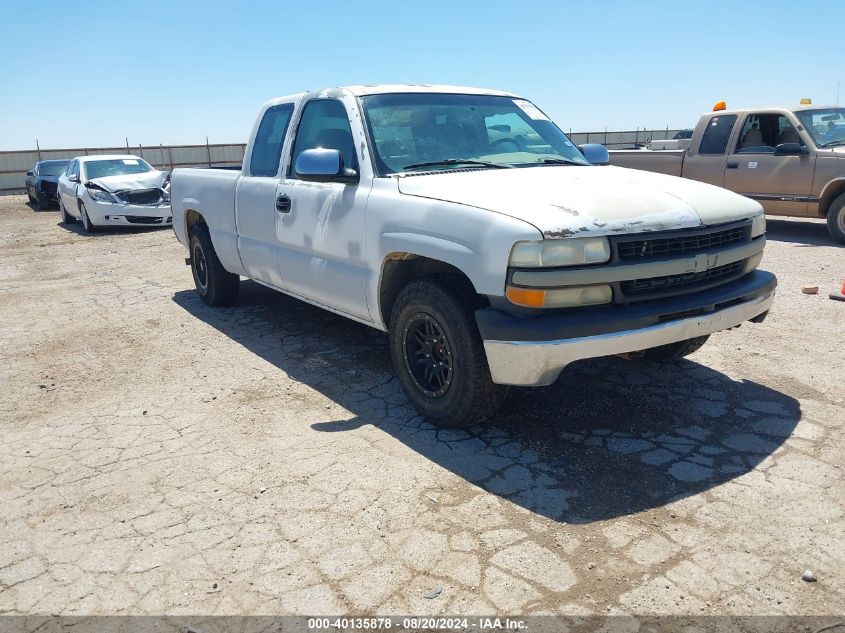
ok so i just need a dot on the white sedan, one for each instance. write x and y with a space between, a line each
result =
122 190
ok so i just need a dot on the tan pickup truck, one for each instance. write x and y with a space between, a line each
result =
790 159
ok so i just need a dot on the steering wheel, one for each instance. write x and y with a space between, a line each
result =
511 141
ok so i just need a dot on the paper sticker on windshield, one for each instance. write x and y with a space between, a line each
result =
531 110
130 161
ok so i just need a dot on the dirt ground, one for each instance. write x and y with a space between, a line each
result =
160 456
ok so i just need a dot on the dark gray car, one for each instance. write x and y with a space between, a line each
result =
41 182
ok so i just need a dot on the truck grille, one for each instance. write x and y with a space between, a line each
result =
142 196
682 242
142 219
670 284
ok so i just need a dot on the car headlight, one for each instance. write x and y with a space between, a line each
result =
99 195
560 297
758 225
569 251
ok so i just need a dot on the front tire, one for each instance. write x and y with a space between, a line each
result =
674 351
836 219
215 285
438 354
87 225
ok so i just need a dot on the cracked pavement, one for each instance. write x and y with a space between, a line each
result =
161 456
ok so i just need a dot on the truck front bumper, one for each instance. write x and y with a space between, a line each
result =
533 351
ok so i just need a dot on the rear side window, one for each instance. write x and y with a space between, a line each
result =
716 134
267 148
324 123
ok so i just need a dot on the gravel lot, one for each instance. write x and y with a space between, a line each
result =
160 456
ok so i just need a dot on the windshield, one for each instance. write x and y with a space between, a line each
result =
115 167
827 126
410 130
53 168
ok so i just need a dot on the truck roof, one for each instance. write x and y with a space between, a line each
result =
375 89
786 108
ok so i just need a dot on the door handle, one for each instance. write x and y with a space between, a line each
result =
733 165
283 204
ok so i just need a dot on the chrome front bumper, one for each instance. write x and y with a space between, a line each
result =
536 363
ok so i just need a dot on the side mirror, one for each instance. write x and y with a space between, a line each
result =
790 149
29 173
323 165
595 153
73 178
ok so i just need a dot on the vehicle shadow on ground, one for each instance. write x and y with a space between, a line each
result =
76 227
801 233
52 208
610 438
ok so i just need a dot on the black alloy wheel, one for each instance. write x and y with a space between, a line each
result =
428 354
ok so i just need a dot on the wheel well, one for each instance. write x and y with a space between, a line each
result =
830 193
192 218
399 269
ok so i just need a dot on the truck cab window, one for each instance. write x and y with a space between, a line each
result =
761 133
267 148
325 124
716 134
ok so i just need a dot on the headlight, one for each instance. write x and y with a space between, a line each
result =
101 196
560 297
758 225
569 251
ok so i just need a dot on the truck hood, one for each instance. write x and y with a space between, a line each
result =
147 180
572 200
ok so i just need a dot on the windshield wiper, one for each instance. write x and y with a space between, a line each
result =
559 161
458 161
835 143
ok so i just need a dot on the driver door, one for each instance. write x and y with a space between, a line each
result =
67 189
320 225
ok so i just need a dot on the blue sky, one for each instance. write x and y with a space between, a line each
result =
91 73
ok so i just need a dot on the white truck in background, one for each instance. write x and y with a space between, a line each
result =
465 224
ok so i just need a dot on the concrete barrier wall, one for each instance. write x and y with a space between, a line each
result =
14 165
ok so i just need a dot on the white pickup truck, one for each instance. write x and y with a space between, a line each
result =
465 224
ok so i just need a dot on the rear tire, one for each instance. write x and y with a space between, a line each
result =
673 351
438 354
87 225
215 285
836 219
67 218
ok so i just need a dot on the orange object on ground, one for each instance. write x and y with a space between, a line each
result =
840 296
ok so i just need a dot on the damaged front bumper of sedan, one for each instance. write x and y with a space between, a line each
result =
136 207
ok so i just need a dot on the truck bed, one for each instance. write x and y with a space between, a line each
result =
212 191
669 162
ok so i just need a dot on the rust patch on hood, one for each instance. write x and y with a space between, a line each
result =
565 209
